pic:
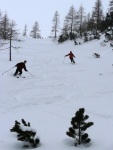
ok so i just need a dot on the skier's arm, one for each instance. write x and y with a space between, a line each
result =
16 65
74 56
67 55
25 68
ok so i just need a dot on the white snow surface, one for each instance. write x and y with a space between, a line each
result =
49 98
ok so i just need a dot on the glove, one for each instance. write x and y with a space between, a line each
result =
26 70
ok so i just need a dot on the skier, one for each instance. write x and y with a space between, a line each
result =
20 66
71 55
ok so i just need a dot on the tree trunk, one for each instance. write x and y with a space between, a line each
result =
79 135
10 51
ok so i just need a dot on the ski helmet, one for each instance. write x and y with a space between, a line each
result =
25 61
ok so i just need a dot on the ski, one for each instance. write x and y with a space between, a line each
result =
20 77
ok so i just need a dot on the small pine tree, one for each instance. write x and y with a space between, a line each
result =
78 127
25 30
25 133
85 37
35 32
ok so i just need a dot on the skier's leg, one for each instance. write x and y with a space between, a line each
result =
20 72
16 72
73 61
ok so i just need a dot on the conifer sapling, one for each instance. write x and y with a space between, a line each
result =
78 127
25 133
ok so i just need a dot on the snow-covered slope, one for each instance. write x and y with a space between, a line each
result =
57 89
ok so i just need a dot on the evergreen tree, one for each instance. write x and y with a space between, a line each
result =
70 19
55 27
35 32
13 32
25 30
0 24
85 37
25 133
12 35
91 25
4 26
65 27
78 127
110 14
9 33
110 6
103 25
68 26
81 18
98 13
109 22
0 15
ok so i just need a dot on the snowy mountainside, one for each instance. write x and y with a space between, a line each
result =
57 89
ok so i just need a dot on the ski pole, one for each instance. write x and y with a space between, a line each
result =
29 73
7 70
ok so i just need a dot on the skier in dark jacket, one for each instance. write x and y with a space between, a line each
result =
20 66
71 56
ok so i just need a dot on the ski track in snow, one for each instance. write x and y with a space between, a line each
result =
51 79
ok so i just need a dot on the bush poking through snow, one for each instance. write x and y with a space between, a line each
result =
96 55
25 133
78 127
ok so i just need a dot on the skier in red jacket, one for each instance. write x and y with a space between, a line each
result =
71 56
20 66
